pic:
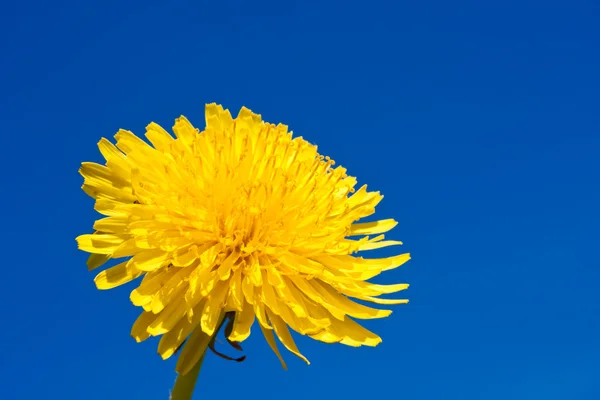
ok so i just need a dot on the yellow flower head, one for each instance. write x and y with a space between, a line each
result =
240 221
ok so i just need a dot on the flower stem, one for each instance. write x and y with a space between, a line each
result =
184 384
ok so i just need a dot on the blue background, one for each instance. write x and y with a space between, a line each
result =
478 120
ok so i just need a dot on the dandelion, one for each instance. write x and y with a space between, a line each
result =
235 223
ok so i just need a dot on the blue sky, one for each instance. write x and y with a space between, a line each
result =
479 122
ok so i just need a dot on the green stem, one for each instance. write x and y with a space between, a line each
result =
184 384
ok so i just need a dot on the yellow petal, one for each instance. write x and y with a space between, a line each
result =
149 260
377 300
150 286
110 207
128 248
248 290
309 291
251 117
261 314
168 318
235 298
275 278
217 119
128 142
174 287
304 326
112 154
213 308
116 276
224 269
139 330
301 264
268 294
293 298
359 289
347 332
165 296
99 175
284 335
303 317
326 337
358 269
185 256
270 338
159 137
100 181
171 340
354 334
97 260
378 245
372 228
184 130
242 323
195 292
116 225
194 349
100 243
345 305
359 264
397 261
107 192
